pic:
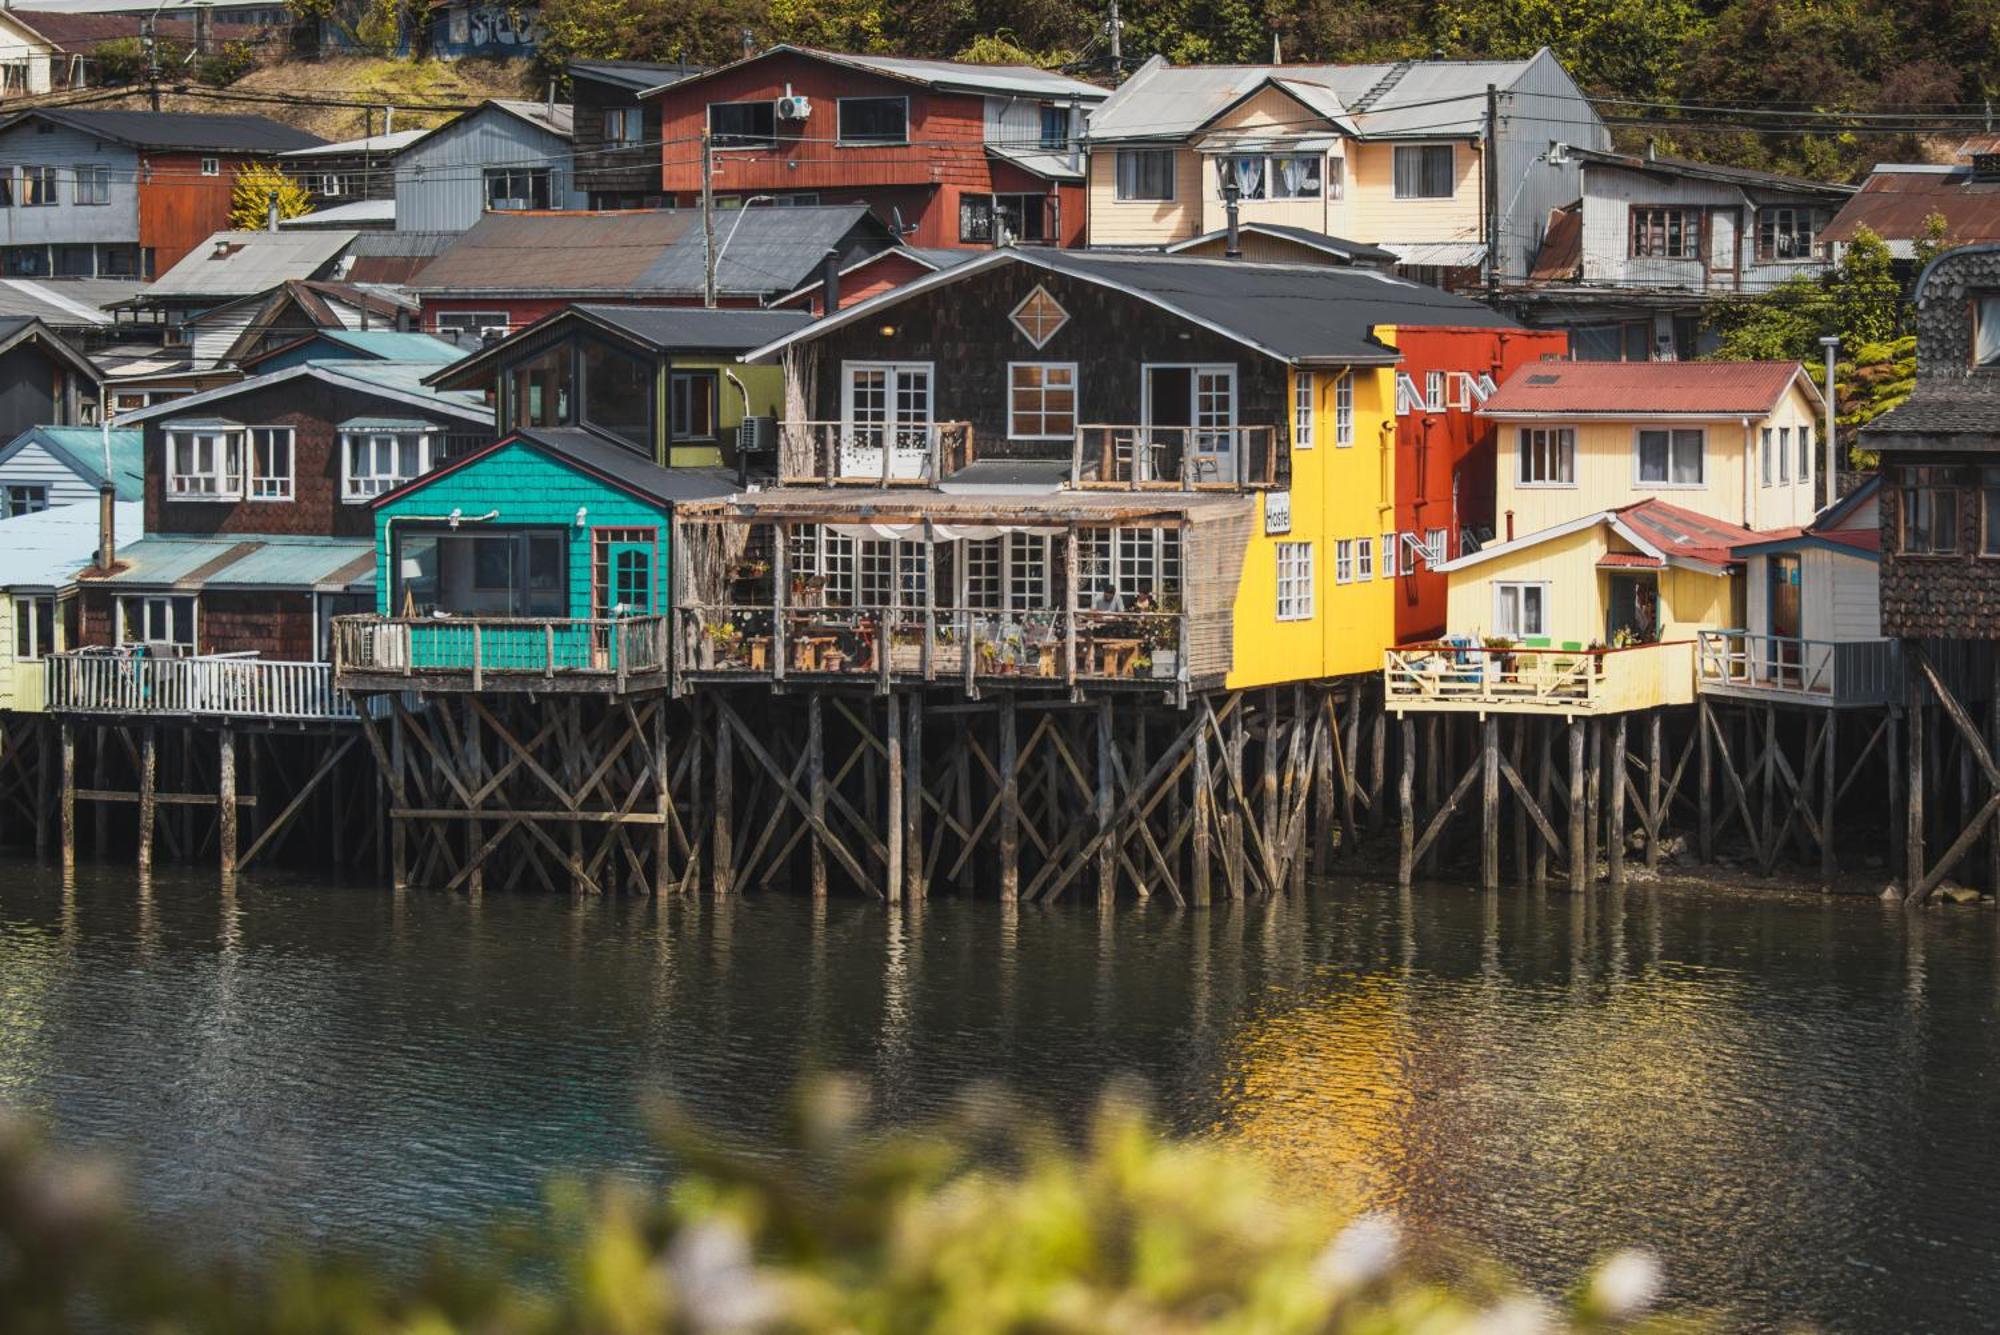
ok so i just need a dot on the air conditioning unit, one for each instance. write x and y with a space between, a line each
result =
758 435
793 106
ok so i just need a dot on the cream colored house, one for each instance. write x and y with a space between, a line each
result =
1388 155
1735 441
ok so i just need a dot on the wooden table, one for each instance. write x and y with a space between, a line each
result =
1115 656
809 652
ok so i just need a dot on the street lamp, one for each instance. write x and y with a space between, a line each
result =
1832 345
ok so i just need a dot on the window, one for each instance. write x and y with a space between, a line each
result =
1784 454
538 390
157 619
1336 178
1436 550
373 462
1989 512
1930 511
1425 171
1343 410
1302 410
38 186
6 187
1671 458
1986 331
743 124
476 571
1547 457
1257 176
1805 452
1434 391
117 262
992 218
1130 561
331 185
211 166
1364 559
512 189
1041 400
1039 316
271 463
470 324
1669 234
25 498
34 627
1520 609
1343 561
1768 468
1055 127
691 405
1787 233
1146 174
1388 556
874 120
1295 581
618 391
93 185
204 465
624 127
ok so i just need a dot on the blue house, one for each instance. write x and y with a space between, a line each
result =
48 466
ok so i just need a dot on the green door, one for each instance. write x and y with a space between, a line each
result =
629 571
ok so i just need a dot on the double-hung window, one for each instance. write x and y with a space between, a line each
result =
1302 411
624 127
1671 458
1145 174
1364 559
743 124
204 464
1388 556
38 186
157 619
874 120
1041 400
375 461
1930 511
1546 457
1785 233
1436 547
1769 470
1055 127
34 627
1343 410
271 475
1343 561
1805 452
93 184
1295 581
1784 454
1434 391
1666 234
1520 609
1425 171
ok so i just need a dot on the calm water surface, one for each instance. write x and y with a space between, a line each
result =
1794 1102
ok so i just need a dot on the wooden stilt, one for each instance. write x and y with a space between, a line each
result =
1107 854
1523 854
916 884
1704 725
1010 803
1232 822
892 794
1656 816
1201 855
722 855
225 797
1615 839
1829 795
1433 760
1579 866
40 731
1406 788
1913 834
816 782
1489 802
148 781
68 743
1539 869
1593 803
100 779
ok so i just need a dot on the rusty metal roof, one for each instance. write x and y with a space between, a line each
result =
1561 256
1895 200
1644 389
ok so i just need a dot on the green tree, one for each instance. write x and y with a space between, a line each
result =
1631 47
706 32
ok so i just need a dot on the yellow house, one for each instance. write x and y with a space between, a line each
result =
1734 441
1390 155
1643 573
44 552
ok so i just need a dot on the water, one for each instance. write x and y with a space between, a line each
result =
1793 1101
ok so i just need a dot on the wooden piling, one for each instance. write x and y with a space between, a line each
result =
1656 818
915 883
68 742
722 866
1107 853
1489 802
1406 796
1579 874
149 772
1615 837
1010 802
816 786
225 797
1704 798
1913 833
892 795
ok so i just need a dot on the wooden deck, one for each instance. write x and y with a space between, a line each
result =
1826 674
1564 683
579 656
220 687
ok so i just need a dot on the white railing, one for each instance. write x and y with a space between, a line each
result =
1525 679
880 454
1179 457
100 683
1848 672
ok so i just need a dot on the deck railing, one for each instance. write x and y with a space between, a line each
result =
876 454
1539 680
481 647
933 644
1182 458
1845 672
234 686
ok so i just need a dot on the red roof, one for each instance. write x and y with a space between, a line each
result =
1896 201
1644 389
1628 561
1685 534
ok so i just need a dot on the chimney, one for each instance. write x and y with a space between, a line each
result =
829 282
388 120
1652 148
107 525
551 108
271 211
1232 195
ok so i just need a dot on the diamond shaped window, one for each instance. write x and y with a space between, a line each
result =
1039 316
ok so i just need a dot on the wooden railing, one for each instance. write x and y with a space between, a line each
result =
875 454
1844 672
234 686
1539 680
1183 458
481 647
968 645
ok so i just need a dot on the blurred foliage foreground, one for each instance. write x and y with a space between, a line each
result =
976 1225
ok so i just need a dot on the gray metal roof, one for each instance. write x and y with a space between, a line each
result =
1438 98
375 213
759 251
949 75
626 467
47 549
1663 165
695 327
633 75
385 144
239 264
66 303
193 131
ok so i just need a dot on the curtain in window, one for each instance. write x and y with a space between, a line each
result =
1986 346
1249 176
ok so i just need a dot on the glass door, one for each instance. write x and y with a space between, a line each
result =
886 406
1189 416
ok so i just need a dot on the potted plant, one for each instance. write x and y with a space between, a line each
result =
1500 656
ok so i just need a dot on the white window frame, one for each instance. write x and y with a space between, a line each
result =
1267 177
1437 546
1364 560
260 485
1409 397
1014 317
99 192
165 602
1639 478
1389 545
1815 220
27 618
1303 387
360 489
1557 437
1343 561
211 166
221 480
840 136
1806 456
1517 588
1784 456
1343 410
1118 178
1014 432
477 323
1766 440
1395 184
1295 581
47 186
1434 391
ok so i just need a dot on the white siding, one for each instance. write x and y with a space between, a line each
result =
35 464
1839 596
1543 107
1856 597
1609 195
212 338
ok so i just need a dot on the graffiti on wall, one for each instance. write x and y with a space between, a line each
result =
490 29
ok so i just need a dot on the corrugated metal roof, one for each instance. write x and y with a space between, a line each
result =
65 303
262 561
404 378
558 118
82 448
761 251
360 213
632 75
1004 80
1643 389
691 327
1683 533
385 144
1338 247
389 346
1049 166
1666 165
45 550
1895 202
193 131
241 264
1437 254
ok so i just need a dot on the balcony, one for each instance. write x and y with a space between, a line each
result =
98 681
968 646
872 454
600 656
1838 674
1175 458
1457 678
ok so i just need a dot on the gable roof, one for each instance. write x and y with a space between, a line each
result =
243 264
635 76
397 382
394 256
373 345
941 75
197 132
66 303
1646 389
557 120
1660 164
760 252
81 449
1309 314
660 328
1667 534
616 465
76 32
1341 249
18 329
928 258
1437 99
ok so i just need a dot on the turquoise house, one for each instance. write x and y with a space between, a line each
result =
545 552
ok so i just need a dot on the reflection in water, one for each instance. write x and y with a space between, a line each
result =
1791 1101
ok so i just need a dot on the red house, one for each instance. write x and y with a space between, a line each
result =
953 154
1446 456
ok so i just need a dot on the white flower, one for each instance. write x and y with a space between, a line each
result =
1625 1285
718 1284
1364 1250
1519 1315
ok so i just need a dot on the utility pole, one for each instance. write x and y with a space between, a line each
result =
1832 345
707 220
1115 29
152 47
1490 179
